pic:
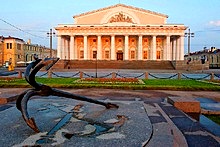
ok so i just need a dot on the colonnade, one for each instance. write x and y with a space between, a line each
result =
171 47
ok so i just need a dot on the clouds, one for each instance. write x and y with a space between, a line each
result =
215 23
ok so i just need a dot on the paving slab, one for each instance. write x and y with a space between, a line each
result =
9 94
66 122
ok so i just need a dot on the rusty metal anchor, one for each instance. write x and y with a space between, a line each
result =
44 90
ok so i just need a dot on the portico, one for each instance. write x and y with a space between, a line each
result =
120 35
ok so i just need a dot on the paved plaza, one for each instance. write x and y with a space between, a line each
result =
143 118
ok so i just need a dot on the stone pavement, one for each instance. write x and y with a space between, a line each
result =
143 119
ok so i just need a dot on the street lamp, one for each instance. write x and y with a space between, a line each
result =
96 65
2 48
51 36
189 35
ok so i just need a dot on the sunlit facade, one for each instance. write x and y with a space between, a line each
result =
17 52
120 32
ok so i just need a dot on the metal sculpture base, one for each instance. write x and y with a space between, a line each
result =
44 90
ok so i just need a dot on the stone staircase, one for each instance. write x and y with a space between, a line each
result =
104 64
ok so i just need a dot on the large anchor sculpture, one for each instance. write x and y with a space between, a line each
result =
44 90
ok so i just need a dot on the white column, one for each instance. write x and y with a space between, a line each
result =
85 48
59 46
126 52
140 56
168 48
181 48
174 49
99 50
66 49
154 49
178 49
171 49
72 45
113 47
63 48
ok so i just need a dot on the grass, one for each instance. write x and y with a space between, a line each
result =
153 84
183 84
215 118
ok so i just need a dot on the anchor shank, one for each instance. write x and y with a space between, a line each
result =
78 97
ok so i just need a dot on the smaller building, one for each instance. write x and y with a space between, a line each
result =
42 51
211 55
17 52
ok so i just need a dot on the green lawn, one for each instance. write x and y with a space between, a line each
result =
215 118
159 84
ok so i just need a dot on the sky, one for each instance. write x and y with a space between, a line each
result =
28 19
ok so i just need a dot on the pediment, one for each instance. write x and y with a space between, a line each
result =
120 14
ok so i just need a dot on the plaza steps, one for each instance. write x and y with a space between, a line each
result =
104 64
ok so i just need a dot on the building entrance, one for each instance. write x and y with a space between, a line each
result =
119 55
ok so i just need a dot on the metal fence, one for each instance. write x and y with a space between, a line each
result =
145 75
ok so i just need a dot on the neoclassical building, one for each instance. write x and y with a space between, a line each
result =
121 32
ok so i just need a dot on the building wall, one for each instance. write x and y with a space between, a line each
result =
102 16
13 50
212 56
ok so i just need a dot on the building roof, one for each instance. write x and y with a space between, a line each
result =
10 37
122 5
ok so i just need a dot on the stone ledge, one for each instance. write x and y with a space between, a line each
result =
185 104
5 100
210 112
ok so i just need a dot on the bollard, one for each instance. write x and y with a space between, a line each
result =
146 75
80 74
19 74
212 76
49 74
179 75
113 75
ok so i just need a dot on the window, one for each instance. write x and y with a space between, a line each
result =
158 54
145 55
94 54
19 56
19 46
81 55
9 45
106 54
132 54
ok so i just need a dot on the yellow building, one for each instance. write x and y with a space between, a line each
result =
12 50
121 32
16 52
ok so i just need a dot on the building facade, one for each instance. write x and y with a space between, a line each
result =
120 32
211 55
17 52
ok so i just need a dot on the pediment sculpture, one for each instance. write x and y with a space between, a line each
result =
120 18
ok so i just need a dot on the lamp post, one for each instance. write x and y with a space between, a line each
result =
96 65
2 48
189 35
50 34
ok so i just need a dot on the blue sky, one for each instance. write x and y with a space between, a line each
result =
33 19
